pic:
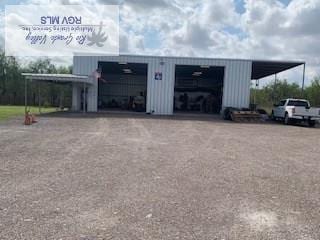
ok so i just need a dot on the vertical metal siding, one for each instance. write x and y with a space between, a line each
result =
236 89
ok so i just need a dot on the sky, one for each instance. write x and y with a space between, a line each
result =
248 29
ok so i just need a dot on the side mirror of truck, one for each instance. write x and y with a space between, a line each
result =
308 107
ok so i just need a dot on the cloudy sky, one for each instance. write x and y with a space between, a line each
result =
257 29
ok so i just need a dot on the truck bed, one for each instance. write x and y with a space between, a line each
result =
308 113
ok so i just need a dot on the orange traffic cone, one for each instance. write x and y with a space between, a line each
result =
33 118
27 119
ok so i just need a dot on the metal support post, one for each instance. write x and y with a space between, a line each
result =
84 97
303 79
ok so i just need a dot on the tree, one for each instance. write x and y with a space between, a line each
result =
273 93
312 92
9 81
12 82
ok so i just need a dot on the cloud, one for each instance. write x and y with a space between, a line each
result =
278 31
190 34
111 2
146 4
219 12
131 43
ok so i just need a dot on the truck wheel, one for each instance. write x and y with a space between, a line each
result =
311 123
286 119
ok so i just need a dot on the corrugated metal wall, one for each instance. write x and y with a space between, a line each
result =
237 79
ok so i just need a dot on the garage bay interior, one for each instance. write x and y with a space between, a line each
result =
122 86
198 89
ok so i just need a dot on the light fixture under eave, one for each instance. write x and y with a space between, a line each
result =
123 63
205 66
197 74
127 71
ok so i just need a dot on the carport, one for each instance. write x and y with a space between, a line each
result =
262 69
79 80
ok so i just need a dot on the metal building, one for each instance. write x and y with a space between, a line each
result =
162 79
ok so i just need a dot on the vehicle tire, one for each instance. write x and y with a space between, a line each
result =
286 119
311 123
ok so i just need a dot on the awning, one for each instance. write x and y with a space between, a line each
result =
59 78
56 78
261 69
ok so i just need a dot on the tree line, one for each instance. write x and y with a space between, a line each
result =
281 89
12 83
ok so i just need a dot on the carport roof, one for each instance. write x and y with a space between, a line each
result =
58 78
261 69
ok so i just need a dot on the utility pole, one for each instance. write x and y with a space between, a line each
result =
303 79
25 95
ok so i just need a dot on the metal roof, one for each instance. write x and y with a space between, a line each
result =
261 69
194 57
58 78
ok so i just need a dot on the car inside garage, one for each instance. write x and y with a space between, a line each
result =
198 89
122 86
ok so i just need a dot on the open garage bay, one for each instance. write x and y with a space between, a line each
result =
120 177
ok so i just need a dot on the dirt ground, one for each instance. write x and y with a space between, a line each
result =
119 177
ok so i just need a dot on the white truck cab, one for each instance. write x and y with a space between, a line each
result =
295 110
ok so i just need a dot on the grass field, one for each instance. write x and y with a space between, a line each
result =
7 112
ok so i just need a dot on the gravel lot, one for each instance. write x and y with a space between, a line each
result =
130 177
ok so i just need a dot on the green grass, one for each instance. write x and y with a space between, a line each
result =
7 112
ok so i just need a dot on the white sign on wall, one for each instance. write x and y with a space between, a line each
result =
158 76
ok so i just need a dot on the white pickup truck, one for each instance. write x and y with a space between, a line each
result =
295 110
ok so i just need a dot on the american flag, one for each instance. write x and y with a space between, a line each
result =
97 74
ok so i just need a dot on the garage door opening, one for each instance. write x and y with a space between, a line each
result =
198 89
122 86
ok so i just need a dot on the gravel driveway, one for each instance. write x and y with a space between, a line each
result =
131 177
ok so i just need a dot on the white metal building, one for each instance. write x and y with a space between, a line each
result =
158 78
